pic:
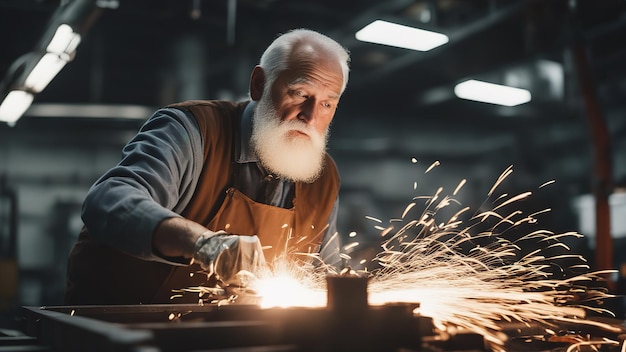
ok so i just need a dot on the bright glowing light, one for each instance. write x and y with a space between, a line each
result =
292 284
64 41
491 93
286 291
45 70
392 34
14 106
58 53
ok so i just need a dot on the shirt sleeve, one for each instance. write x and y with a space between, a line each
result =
153 181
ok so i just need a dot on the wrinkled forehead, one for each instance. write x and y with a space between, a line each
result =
306 52
313 62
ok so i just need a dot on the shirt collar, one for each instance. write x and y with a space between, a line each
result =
246 153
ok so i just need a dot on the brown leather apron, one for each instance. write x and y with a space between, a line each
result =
239 215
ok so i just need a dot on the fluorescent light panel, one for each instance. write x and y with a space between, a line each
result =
491 93
14 105
392 34
64 40
45 70
59 52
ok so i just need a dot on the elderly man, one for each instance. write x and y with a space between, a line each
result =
217 186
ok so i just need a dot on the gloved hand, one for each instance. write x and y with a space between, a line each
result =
228 256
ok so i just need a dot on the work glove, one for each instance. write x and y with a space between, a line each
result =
233 259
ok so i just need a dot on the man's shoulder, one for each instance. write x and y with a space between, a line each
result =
211 113
209 104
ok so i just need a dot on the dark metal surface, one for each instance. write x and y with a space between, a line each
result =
213 327
392 327
349 323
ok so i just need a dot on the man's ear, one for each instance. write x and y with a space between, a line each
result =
257 83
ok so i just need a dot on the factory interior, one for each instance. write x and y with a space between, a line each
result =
402 112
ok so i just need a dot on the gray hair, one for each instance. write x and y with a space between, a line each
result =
276 56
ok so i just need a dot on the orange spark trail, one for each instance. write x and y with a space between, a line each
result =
469 271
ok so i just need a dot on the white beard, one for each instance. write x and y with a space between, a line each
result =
284 152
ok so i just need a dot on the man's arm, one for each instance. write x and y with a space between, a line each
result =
176 237
143 194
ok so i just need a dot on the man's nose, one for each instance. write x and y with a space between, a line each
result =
308 111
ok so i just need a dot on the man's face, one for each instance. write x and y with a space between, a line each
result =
308 91
292 119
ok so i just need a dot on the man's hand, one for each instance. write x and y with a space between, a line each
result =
226 255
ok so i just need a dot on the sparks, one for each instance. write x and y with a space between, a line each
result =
289 284
459 282
469 271
473 278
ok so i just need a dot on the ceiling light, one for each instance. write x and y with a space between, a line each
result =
14 106
45 70
491 93
392 34
58 53
63 41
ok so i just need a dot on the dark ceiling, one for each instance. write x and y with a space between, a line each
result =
399 103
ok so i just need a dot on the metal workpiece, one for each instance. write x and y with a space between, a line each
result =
213 327
347 323
347 293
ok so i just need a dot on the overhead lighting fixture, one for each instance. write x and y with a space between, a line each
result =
14 106
45 70
393 34
491 93
59 52
64 41
54 52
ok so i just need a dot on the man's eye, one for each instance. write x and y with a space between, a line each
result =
328 105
